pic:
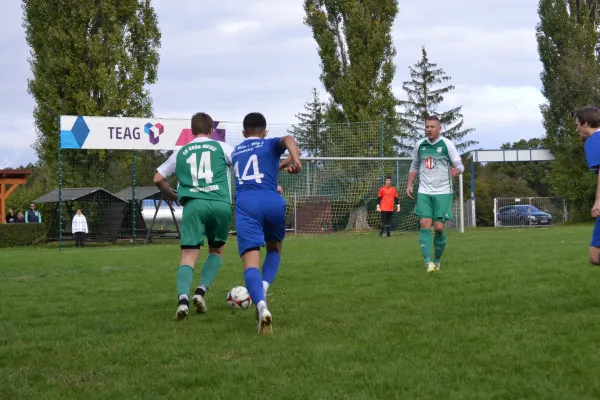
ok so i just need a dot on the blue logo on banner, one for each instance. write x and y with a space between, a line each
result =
75 138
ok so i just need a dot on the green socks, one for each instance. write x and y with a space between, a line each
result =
425 243
209 270
185 276
439 243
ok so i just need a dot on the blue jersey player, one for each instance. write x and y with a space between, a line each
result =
587 120
259 208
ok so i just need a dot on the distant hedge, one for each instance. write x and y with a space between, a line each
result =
22 234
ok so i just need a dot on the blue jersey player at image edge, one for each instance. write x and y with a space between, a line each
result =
587 121
260 210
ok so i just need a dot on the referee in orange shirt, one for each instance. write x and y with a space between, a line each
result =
388 197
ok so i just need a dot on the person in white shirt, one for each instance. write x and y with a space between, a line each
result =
79 227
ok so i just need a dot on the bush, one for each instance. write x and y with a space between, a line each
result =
22 234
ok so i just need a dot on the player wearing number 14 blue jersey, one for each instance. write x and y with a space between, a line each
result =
259 209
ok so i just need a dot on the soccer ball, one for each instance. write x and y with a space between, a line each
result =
238 298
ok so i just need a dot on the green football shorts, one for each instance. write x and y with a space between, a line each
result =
202 218
438 207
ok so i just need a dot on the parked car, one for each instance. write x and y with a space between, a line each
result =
522 214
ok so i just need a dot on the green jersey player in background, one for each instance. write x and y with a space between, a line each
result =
202 168
437 161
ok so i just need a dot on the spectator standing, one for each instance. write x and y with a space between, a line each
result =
33 216
20 218
79 227
10 216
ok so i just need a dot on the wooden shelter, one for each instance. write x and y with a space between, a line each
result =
14 178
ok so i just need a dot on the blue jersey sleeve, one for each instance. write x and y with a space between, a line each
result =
592 152
276 147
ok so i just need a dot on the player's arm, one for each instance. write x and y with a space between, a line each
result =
455 159
592 157
163 172
596 206
289 143
379 198
228 150
414 170
285 163
597 202
162 185
396 200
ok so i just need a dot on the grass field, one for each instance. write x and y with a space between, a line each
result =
512 314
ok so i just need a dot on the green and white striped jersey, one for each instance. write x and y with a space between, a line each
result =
432 162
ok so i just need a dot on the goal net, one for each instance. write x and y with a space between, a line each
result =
337 194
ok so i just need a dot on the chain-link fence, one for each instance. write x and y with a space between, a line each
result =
529 211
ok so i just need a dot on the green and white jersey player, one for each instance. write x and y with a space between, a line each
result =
437 161
203 170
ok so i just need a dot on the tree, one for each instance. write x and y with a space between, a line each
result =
567 45
91 58
311 132
423 101
354 39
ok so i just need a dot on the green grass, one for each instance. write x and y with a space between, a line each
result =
512 314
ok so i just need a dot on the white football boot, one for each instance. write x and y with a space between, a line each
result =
265 322
182 312
200 304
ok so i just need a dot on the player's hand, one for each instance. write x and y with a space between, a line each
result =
280 190
285 163
295 168
398 208
454 172
409 192
596 209
378 209
173 198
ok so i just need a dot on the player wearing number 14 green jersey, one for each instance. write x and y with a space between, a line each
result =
202 168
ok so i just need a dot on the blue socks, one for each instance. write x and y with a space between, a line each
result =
254 285
271 266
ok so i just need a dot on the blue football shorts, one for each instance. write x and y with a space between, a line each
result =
596 234
259 217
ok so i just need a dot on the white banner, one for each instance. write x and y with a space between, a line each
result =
79 132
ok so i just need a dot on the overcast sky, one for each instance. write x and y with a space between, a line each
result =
236 56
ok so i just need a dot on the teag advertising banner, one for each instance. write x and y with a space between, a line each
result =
121 133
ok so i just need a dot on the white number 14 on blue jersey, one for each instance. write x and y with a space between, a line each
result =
256 176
